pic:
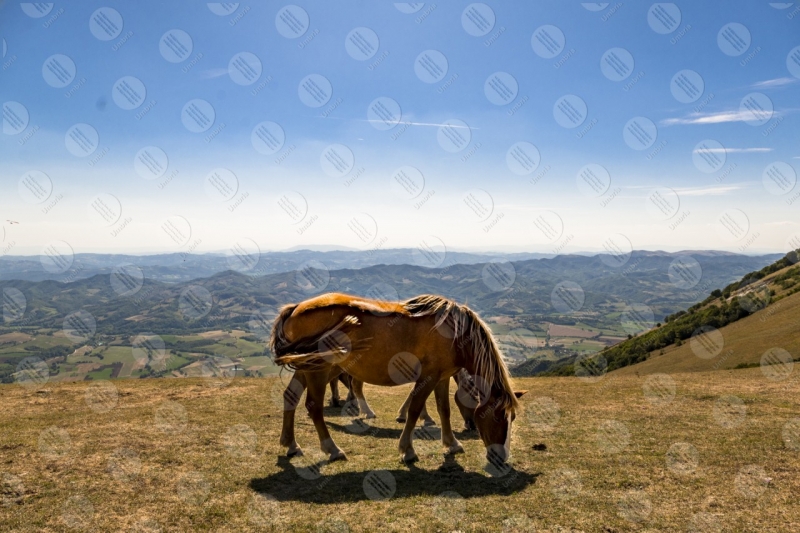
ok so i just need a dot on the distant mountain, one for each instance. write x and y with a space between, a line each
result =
528 293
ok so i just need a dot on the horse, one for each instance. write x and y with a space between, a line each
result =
424 340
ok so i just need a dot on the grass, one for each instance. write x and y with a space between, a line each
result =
203 455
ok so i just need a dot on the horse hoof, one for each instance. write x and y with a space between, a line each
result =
429 422
298 452
409 457
400 419
454 449
371 415
337 456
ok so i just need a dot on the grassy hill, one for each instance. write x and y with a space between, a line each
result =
200 455
732 327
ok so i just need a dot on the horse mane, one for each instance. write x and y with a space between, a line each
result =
474 339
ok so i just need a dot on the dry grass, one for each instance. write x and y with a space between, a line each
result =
71 458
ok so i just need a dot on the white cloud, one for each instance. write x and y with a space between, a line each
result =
709 191
777 82
708 118
736 150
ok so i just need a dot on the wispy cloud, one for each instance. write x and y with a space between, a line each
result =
213 73
735 150
708 118
709 191
777 82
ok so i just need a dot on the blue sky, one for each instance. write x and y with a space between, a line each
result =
697 183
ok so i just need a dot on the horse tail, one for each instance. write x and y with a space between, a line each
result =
278 341
320 350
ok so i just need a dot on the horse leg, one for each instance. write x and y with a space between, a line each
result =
422 389
291 399
358 392
315 399
466 413
402 414
335 400
442 393
347 380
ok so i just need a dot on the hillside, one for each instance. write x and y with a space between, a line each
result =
731 327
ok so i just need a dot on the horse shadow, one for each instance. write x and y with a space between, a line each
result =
430 432
304 482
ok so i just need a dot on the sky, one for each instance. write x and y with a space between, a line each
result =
549 127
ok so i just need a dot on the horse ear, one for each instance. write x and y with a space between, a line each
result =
519 393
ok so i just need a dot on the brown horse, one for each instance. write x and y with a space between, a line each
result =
424 340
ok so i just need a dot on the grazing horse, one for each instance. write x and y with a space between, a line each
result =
424 340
